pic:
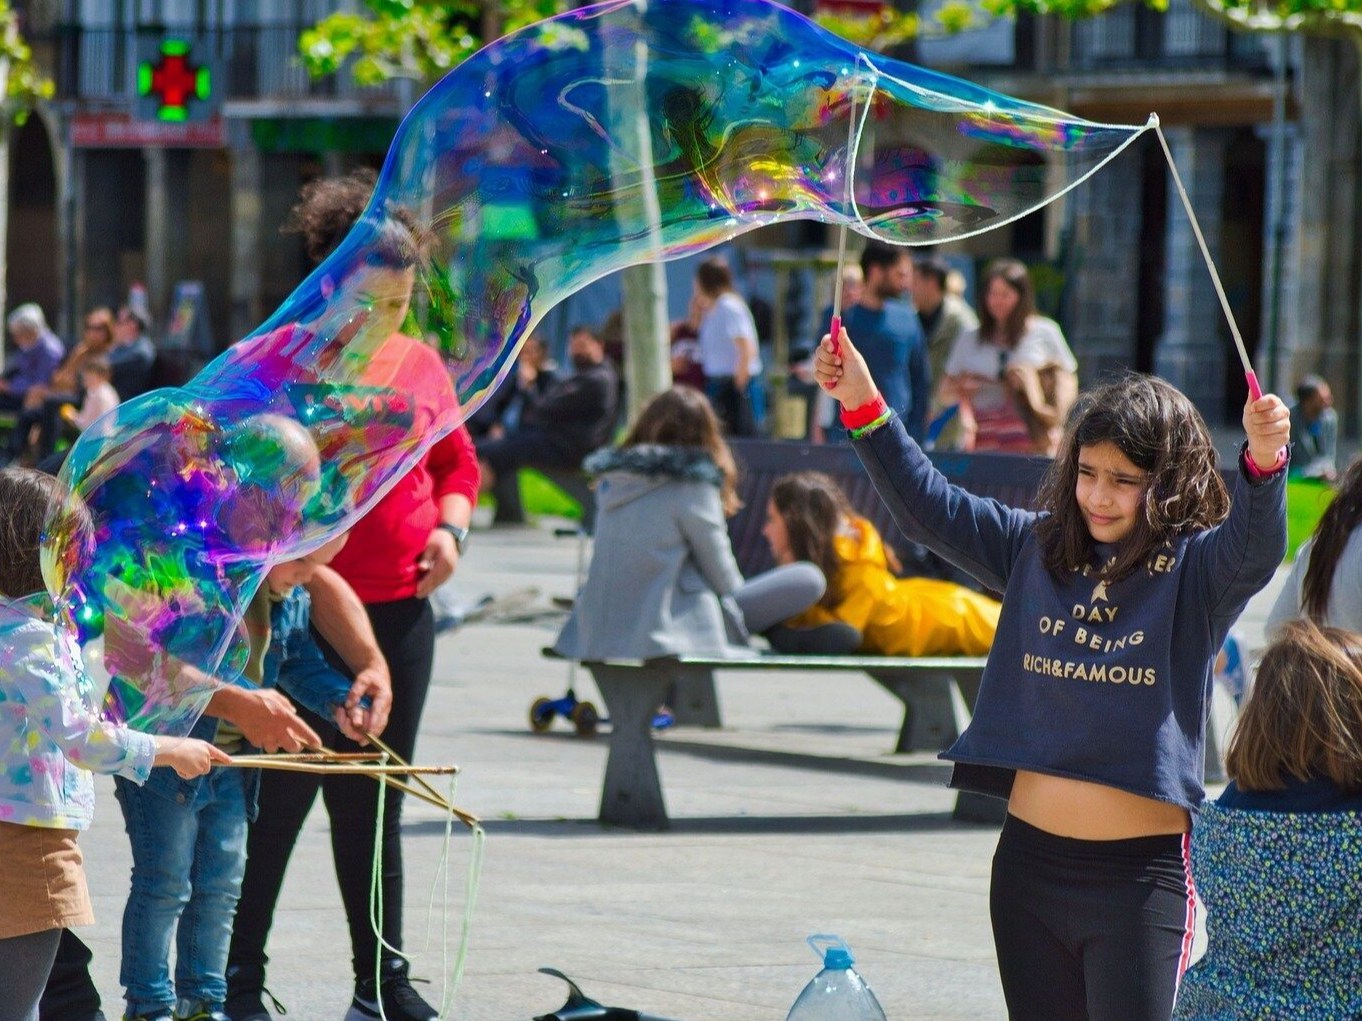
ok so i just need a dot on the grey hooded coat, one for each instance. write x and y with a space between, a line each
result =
662 570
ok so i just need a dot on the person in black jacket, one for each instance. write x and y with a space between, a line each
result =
572 418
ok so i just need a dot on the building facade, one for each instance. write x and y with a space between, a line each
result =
109 193
102 197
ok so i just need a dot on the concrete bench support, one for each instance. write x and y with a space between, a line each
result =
694 699
937 695
936 704
632 793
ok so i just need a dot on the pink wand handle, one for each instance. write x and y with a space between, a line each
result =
1255 391
835 333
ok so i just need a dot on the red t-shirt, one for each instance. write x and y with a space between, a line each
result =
379 560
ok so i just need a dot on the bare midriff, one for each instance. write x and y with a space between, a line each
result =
1091 811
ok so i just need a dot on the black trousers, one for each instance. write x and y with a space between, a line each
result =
406 634
1090 930
70 994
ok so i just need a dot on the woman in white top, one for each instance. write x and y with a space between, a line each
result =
1014 378
728 349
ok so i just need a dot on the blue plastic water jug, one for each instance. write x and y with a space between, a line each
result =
837 993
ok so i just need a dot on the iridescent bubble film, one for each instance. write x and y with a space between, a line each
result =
610 136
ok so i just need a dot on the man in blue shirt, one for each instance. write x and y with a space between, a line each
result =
889 335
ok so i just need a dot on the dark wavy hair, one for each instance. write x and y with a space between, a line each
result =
1163 435
1303 718
814 509
1335 527
27 498
330 206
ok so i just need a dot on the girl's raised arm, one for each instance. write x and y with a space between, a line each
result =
1243 551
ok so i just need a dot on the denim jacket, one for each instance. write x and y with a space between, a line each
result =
294 663
51 735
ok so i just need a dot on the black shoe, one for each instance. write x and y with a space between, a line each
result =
246 994
400 1001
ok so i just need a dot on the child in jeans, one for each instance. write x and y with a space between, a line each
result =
51 738
189 838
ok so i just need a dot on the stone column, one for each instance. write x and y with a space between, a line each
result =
1191 354
246 312
157 229
1326 254
1103 268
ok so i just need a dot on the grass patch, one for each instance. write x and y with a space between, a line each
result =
540 497
1306 501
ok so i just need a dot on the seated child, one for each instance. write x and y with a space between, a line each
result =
1277 857
96 378
189 838
866 608
51 738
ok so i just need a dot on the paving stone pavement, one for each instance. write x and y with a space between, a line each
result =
795 818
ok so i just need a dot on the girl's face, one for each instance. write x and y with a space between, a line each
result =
1000 299
777 535
1110 491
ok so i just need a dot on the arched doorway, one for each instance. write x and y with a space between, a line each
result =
31 248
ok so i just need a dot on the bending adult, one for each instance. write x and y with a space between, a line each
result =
1014 377
398 553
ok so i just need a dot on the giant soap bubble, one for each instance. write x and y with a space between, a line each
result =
610 136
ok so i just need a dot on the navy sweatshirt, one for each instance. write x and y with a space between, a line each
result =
1105 682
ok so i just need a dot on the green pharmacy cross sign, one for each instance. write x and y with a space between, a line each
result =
170 88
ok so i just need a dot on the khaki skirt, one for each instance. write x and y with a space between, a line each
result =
44 885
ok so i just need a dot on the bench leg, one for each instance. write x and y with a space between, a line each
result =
694 699
506 493
935 712
632 793
972 807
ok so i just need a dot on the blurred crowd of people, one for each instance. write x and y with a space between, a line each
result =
55 391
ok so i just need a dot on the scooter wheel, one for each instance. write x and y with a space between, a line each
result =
585 718
541 714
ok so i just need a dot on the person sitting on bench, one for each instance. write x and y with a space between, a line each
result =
573 417
866 607
663 579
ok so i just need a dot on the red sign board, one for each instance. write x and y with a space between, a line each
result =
118 131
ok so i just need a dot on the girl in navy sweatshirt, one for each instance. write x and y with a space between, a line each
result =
1091 715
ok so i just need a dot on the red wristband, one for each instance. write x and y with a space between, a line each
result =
856 418
1259 472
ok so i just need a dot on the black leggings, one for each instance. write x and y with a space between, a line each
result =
406 634
1090 930
24 964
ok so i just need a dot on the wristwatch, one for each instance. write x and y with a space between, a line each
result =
460 534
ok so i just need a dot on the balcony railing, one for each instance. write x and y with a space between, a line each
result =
1134 37
253 61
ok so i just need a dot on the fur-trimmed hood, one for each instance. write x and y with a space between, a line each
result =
690 464
627 473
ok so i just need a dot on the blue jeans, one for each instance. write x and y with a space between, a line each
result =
188 856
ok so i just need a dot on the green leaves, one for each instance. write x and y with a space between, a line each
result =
420 39
25 84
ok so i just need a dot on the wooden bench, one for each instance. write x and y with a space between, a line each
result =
937 693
